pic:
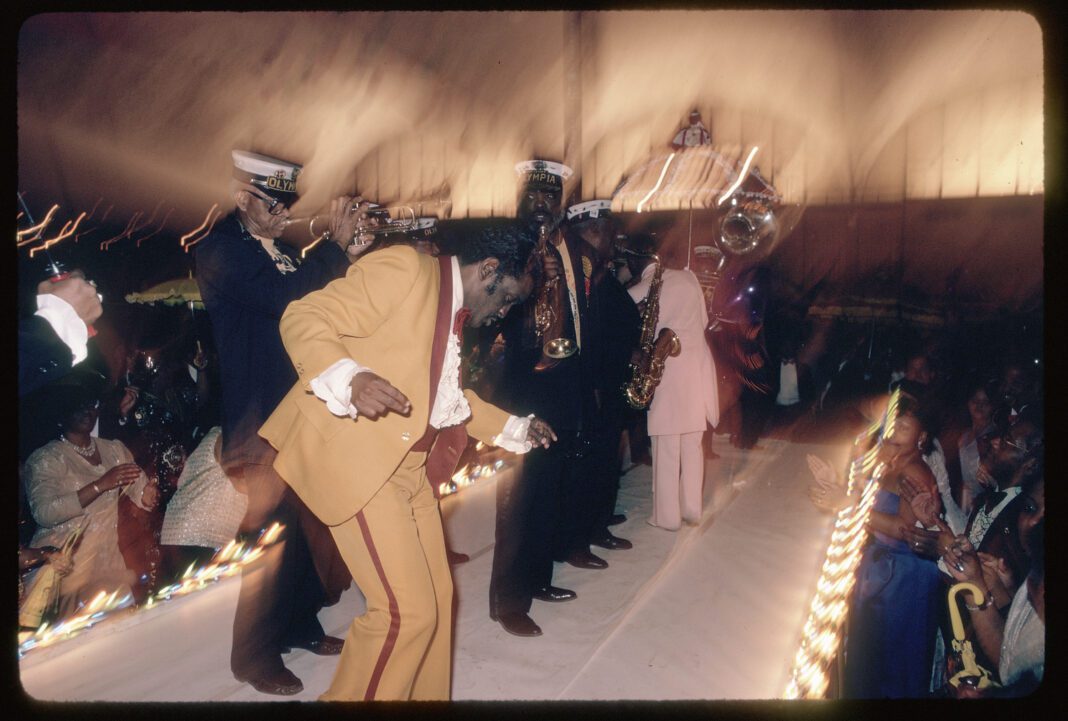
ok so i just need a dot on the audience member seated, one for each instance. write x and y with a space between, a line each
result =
975 441
1018 390
77 480
1014 642
205 512
917 377
991 528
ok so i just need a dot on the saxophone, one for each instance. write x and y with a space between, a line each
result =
549 312
646 374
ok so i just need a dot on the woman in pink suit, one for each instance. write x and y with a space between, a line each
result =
687 397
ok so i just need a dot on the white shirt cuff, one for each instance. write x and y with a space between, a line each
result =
332 386
514 436
65 322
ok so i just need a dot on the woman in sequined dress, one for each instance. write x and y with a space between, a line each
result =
78 479
205 512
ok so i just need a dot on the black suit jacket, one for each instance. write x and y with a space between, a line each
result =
245 296
563 395
617 324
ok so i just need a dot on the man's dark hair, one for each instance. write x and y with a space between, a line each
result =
509 241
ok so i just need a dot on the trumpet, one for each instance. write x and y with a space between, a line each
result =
383 221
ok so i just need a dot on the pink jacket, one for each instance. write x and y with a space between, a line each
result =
687 396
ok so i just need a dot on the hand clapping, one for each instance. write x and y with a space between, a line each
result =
925 505
827 492
962 561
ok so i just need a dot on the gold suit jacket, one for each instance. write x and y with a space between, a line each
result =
382 315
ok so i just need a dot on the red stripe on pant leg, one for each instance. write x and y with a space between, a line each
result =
394 612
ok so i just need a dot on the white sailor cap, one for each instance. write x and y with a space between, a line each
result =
543 174
589 210
277 178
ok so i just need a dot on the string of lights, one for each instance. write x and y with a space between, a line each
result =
822 632
227 562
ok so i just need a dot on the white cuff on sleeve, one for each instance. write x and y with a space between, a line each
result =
514 436
332 386
65 322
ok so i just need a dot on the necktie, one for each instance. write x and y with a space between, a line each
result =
458 323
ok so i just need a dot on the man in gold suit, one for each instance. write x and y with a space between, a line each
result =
376 420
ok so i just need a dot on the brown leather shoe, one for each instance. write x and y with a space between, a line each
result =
612 543
279 683
325 646
518 624
585 559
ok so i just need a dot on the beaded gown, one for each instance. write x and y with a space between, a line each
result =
54 475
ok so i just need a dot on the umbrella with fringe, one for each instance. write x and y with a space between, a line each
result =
171 292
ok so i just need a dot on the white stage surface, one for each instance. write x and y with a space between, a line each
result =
710 612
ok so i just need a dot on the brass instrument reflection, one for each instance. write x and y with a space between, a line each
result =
549 310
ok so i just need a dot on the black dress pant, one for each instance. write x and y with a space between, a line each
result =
280 597
577 502
755 407
606 465
527 516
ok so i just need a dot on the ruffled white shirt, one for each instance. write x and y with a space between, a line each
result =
450 405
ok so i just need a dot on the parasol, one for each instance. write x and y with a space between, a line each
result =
691 177
171 292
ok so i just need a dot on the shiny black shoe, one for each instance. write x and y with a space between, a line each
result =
278 683
554 594
585 559
612 543
616 519
517 624
325 646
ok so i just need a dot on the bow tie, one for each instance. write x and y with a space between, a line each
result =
458 323
993 498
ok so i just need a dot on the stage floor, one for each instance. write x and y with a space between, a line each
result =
710 612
